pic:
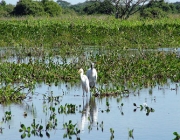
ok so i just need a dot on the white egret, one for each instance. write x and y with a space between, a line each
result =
84 81
92 75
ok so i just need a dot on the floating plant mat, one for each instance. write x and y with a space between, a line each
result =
130 68
52 110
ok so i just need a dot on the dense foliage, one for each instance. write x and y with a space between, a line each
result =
153 9
5 9
52 8
105 7
30 7
27 7
157 9
131 68
78 30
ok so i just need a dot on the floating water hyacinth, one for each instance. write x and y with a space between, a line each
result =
130 132
145 107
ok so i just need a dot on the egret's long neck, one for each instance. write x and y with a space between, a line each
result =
81 75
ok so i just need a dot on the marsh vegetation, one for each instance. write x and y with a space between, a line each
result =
137 62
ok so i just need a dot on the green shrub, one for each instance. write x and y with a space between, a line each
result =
52 8
5 10
28 7
2 12
152 13
36 8
104 7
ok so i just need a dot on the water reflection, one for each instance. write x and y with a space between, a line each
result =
89 113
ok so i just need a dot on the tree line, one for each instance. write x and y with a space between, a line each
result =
30 7
120 8
125 8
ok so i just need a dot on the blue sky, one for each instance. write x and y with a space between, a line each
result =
72 1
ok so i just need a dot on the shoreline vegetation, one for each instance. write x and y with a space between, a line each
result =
90 30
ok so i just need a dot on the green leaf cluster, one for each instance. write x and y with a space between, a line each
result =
71 129
35 129
36 8
157 9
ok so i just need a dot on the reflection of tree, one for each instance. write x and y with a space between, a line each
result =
89 113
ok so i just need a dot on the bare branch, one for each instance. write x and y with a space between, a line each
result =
125 8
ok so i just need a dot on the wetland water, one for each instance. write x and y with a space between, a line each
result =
157 125
92 115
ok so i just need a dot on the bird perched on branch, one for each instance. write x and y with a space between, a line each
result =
92 75
84 81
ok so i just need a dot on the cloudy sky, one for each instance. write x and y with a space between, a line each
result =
72 1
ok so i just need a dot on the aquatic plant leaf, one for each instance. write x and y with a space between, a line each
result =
47 134
141 107
70 137
65 136
70 121
108 110
41 135
29 135
23 127
40 127
152 110
8 113
28 129
33 132
131 133
107 103
78 131
23 135
175 133
48 126
111 130
37 125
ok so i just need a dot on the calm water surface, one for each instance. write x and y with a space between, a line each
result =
157 125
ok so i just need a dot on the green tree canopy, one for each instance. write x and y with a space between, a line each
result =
28 7
3 3
156 9
5 9
63 3
98 7
177 6
37 8
52 8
